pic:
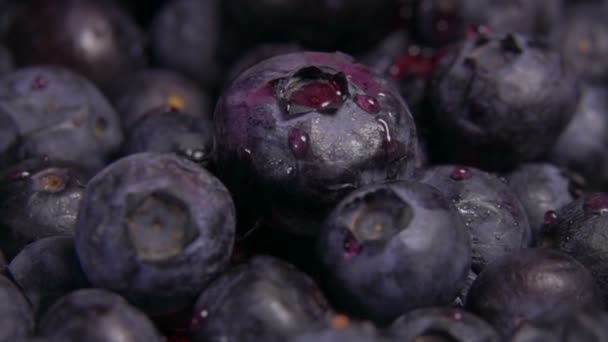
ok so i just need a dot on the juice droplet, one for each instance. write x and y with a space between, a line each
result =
351 246
367 103
298 141
39 83
460 173
550 217
596 204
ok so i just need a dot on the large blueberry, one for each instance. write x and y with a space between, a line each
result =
387 249
527 285
500 99
16 318
96 38
264 299
96 315
155 228
61 115
497 222
304 129
46 270
569 325
39 198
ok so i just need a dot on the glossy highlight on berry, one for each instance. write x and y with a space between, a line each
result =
596 204
460 173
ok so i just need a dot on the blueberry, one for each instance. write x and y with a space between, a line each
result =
579 229
172 132
152 90
529 284
61 115
16 318
542 189
96 315
155 228
304 129
186 36
387 249
572 326
584 41
443 324
582 145
9 140
46 270
96 38
264 299
497 222
501 99
39 198
438 22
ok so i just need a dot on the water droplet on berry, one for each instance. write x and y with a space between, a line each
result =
367 103
39 82
460 173
19 175
596 204
550 217
390 146
298 142
351 246
455 316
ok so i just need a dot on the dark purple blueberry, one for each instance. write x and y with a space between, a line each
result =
542 188
39 198
186 36
501 99
9 139
264 299
61 115
444 324
155 228
96 315
571 326
580 230
584 41
527 285
438 22
172 132
258 54
95 38
304 129
342 331
497 222
46 270
582 146
156 90
387 249
17 320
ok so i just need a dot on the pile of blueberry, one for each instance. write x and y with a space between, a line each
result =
303 170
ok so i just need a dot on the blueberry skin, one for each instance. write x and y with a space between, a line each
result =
579 230
152 90
270 300
502 98
16 318
97 39
39 198
46 270
61 115
387 249
498 223
354 332
9 140
155 228
186 35
542 187
96 315
454 325
528 285
571 326
173 132
584 41
304 129
581 147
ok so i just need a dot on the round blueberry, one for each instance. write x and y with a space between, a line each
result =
155 228
61 115
387 249
17 319
264 299
304 129
96 315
